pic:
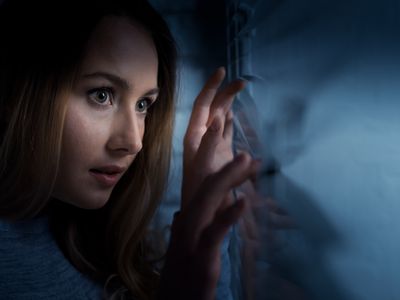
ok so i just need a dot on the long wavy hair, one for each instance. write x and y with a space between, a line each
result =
43 44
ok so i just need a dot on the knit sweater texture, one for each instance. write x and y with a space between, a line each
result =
32 265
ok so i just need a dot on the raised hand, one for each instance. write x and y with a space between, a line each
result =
210 173
208 139
192 265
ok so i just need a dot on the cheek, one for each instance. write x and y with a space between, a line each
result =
142 129
81 136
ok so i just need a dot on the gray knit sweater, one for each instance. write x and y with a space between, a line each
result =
33 267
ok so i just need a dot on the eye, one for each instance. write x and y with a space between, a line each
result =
102 95
143 105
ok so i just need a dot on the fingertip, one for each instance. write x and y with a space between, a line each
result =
242 157
221 69
215 80
220 73
235 87
229 115
242 83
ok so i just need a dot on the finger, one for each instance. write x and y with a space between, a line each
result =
274 207
278 221
201 106
204 158
249 224
216 187
209 144
215 233
228 128
224 98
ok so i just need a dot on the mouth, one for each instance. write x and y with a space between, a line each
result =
108 176
104 172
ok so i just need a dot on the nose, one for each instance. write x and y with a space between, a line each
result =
126 133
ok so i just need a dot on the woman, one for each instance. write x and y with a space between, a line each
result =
87 107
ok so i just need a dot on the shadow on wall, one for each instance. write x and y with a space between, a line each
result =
299 254
326 110
289 263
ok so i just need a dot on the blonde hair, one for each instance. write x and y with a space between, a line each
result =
109 242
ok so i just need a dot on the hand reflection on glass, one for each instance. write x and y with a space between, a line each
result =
260 229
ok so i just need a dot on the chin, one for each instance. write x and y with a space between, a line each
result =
94 203
89 199
85 201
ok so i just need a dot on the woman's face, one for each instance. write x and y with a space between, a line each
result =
106 111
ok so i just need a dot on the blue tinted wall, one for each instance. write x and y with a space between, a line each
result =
326 86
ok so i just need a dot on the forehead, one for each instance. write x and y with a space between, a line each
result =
122 46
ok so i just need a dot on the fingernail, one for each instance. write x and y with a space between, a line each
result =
242 80
219 70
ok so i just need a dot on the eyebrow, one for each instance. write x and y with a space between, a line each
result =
122 83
